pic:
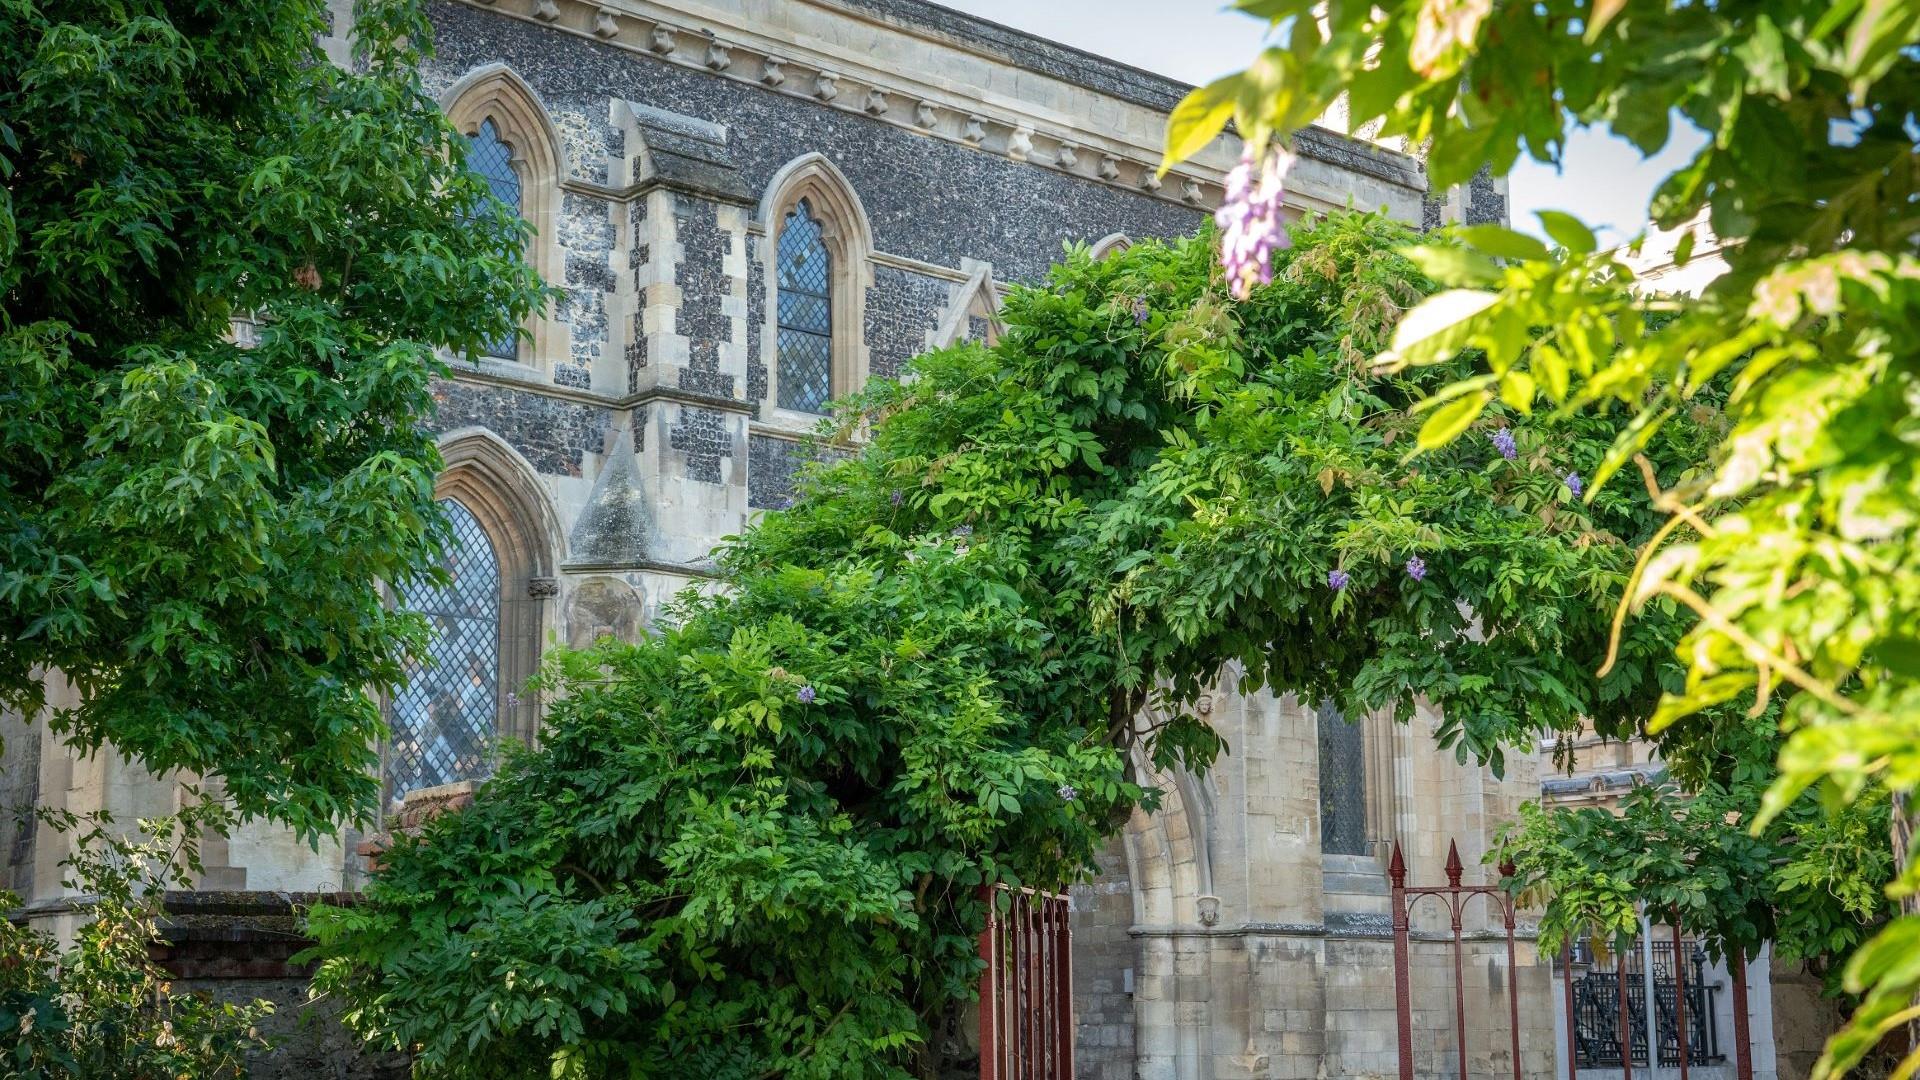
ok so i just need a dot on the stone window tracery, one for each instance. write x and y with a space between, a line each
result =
489 156
818 245
805 315
1343 784
512 144
444 721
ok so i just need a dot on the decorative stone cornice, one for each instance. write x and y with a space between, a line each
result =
984 123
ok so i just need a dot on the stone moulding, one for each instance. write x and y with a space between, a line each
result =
652 32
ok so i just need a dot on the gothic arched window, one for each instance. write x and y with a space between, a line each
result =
445 719
489 156
514 147
804 322
1343 784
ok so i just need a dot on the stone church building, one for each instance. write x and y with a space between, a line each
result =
751 206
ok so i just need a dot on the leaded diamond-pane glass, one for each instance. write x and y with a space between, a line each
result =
805 313
443 721
492 158
1343 784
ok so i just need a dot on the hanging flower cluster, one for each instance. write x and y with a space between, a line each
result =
1140 311
805 695
1503 442
1251 225
1417 568
1337 580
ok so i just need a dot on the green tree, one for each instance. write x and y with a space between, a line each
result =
1811 883
101 1008
755 845
1794 546
194 530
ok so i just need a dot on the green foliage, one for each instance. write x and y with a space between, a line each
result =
1811 883
102 1009
755 845
191 530
1796 544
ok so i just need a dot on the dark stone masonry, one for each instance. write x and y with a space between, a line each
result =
902 309
554 434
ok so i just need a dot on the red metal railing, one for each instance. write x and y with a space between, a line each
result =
1456 896
1026 993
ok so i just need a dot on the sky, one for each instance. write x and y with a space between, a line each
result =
1603 180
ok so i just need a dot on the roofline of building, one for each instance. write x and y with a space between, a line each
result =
1023 49
1135 85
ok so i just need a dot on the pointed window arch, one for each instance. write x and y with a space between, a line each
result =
489 156
804 280
1343 784
1110 245
468 693
444 721
513 145
817 275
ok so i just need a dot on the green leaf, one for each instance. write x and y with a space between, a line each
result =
1505 243
1567 231
1200 116
1439 313
1448 421
1452 264
1602 16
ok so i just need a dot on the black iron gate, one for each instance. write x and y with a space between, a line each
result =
1598 1014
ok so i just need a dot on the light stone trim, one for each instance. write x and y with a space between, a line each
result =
1041 138
495 92
502 489
849 238
976 296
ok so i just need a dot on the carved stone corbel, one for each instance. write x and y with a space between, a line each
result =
1020 143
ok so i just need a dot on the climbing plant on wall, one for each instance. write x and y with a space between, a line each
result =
1794 542
754 845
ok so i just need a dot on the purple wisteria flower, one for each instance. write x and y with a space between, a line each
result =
897 497
805 695
1250 221
1337 580
1140 311
1574 483
1068 793
1417 568
1503 442
963 531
